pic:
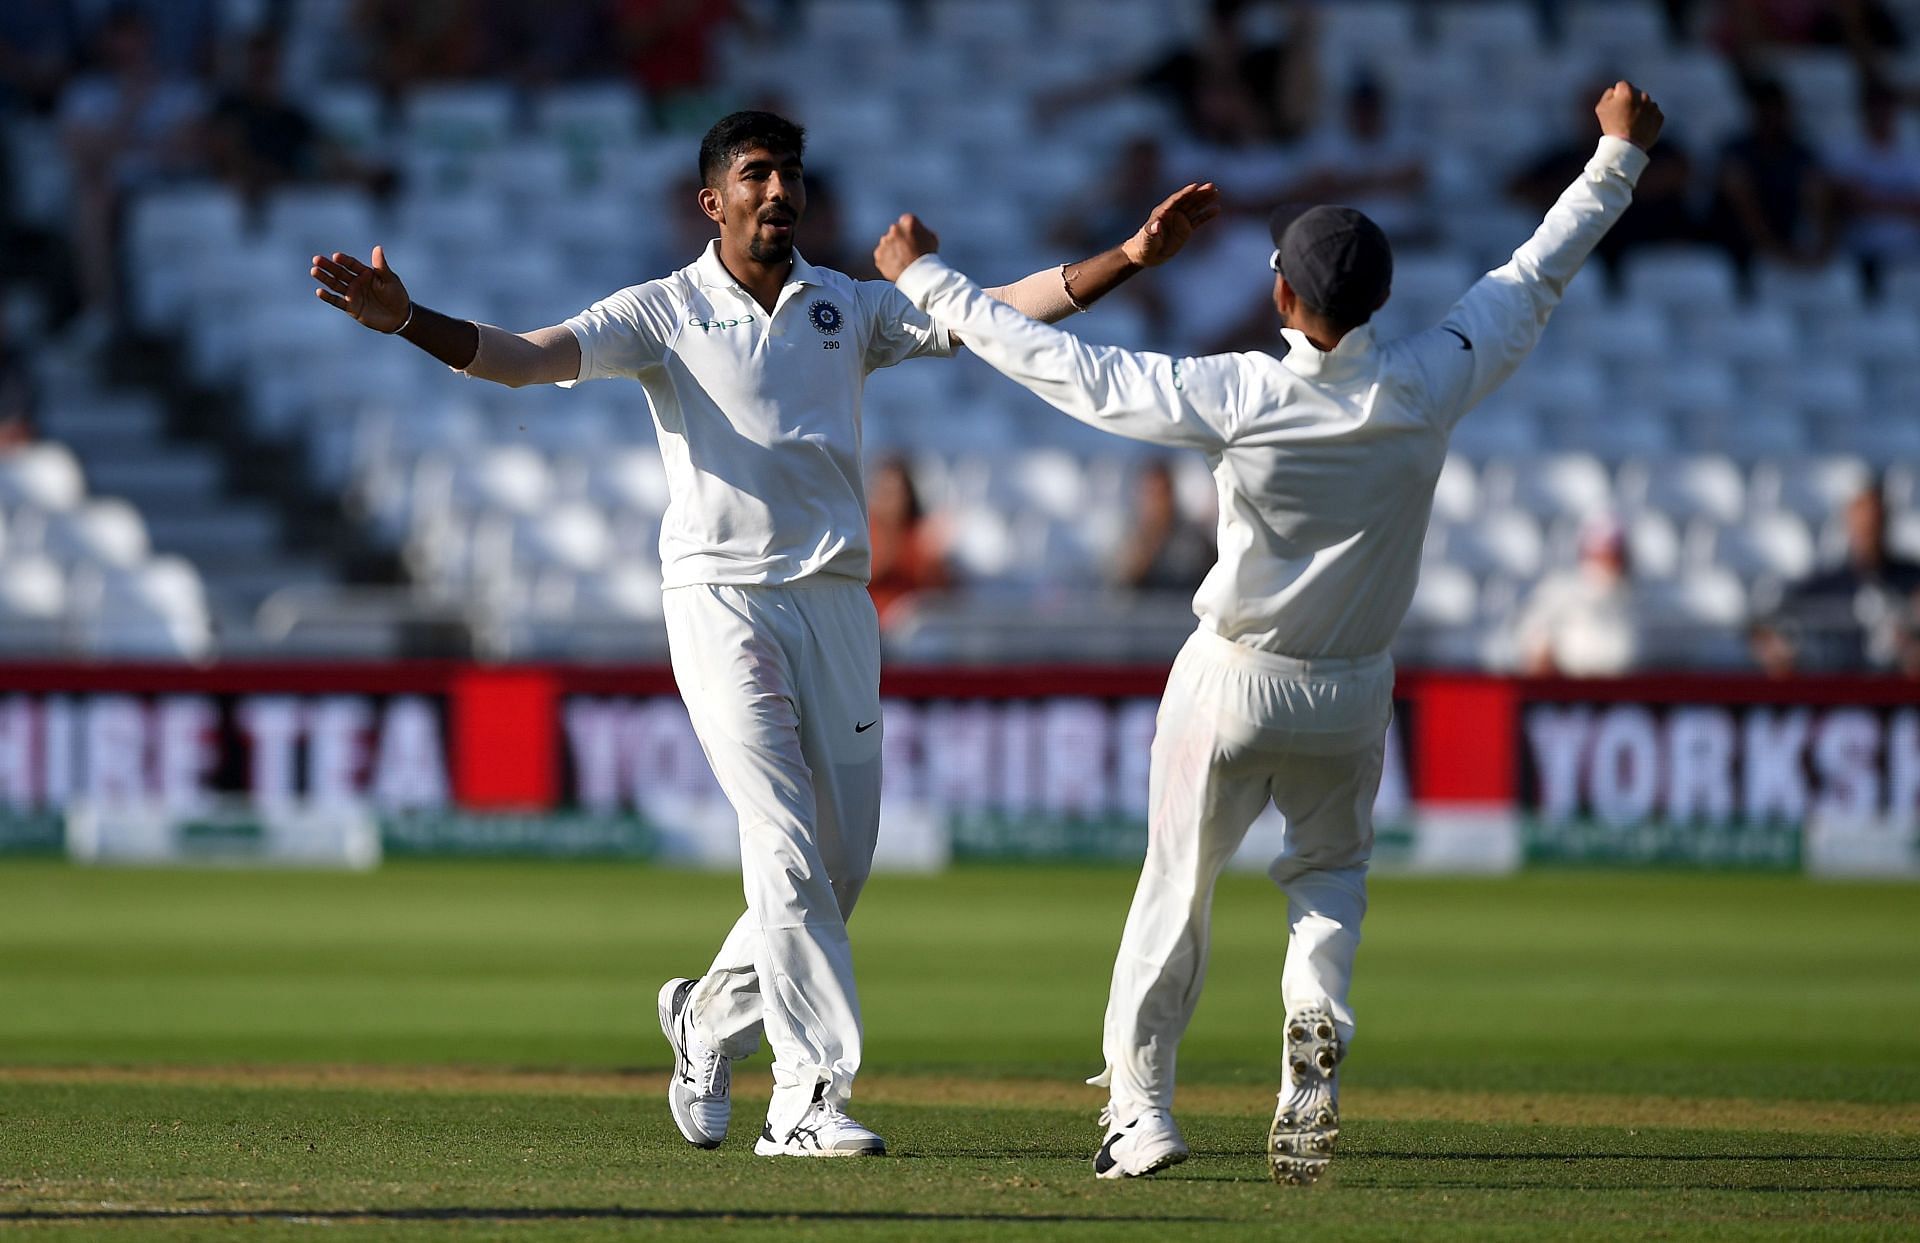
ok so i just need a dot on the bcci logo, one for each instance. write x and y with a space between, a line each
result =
826 317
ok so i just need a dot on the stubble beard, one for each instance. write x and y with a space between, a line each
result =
770 251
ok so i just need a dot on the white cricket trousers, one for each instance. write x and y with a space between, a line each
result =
783 686
1238 727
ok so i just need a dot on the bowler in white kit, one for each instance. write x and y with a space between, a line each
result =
1325 462
753 362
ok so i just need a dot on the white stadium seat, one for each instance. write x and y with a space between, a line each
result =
1507 543
31 589
1051 481
1903 535
629 590
1775 545
1707 596
982 543
305 222
1445 596
573 536
1757 335
1828 291
1685 386
1613 435
1813 487
45 476
466 118
590 117
1653 546
1456 494
1555 485
155 611
1609 29
106 532
507 478
349 113
1686 280
1497 428
1881 334
1684 488
1752 431
1498 27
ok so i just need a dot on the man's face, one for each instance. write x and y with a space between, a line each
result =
759 201
1866 528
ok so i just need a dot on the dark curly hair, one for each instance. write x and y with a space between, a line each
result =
743 131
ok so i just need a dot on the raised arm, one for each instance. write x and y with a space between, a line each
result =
1052 294
1152 397
1491 330
375 296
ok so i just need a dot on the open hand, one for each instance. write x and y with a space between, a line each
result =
373 295
1627 112
901 244
1170 225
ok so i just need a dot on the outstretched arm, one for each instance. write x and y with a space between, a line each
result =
1052 294
1492 329
1175 401
375 296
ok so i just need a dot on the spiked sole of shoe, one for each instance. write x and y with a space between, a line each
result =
1300 1142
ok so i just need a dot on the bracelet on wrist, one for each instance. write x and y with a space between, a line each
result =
403 323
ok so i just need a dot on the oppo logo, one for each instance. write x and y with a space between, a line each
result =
710 325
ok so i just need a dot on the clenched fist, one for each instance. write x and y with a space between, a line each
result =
1627 112
901 244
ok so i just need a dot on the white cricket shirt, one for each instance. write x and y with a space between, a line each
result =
758 413
1325 461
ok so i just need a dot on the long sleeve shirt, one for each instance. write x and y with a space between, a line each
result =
1325 461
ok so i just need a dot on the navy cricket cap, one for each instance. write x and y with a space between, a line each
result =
1336 259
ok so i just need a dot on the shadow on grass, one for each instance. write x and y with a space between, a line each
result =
557 1213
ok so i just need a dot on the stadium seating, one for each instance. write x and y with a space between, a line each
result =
1723 417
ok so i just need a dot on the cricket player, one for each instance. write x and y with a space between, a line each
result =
1325 461
753 362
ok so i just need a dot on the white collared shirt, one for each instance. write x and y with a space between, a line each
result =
758 413
1325 462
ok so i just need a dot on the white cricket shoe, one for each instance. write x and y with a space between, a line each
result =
700 1091
823 1131
1307 1121
1146 1145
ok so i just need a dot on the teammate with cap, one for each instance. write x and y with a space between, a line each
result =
1325 463
753 361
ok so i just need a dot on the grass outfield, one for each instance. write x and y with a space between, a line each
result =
470 1048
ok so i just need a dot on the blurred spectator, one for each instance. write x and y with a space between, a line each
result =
127 124
907 554
1114 207
1369 164
1584 622
1240 83
38 43
1878 184
182 34
668 44
1771 199
409 41
257 138
1662 207
17 395
1165 550
1854 617
1865 28
827 245
555 40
